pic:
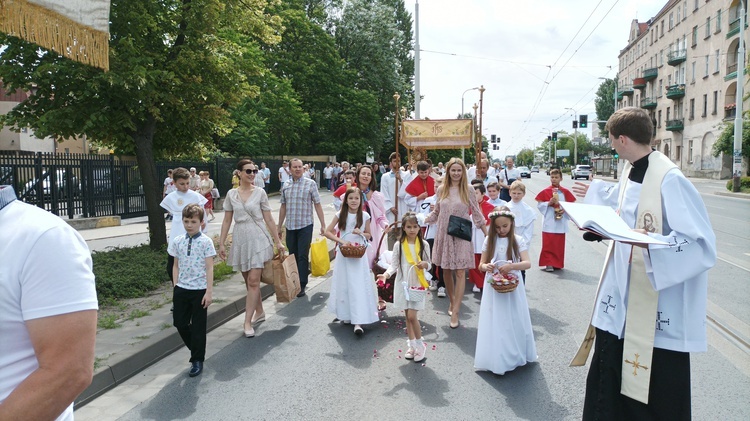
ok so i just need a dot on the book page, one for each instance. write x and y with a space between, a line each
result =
604 221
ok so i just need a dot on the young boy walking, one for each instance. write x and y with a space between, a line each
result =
555 224
193 255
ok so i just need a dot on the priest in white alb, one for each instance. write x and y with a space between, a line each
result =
650 308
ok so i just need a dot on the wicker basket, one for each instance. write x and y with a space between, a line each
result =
354 251
503 285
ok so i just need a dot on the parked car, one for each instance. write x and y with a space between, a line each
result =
525 172
580 171
535 169
59 188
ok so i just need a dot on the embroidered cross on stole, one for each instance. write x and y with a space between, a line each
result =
642 298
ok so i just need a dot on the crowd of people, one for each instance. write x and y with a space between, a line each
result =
442 223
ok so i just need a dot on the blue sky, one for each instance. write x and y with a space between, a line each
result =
534 58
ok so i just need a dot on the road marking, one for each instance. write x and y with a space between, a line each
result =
733 264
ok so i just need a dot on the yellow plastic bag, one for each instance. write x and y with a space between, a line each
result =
319 262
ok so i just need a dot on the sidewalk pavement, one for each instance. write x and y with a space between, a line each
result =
123 352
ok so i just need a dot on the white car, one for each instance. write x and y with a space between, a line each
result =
580 171
525 172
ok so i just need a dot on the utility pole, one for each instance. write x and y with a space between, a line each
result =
417 94
738 126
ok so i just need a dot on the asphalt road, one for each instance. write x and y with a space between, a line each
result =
301 365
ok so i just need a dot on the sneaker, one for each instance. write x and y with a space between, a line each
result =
409 354
441 292
419 352
358 330
549 269
433 285
476 289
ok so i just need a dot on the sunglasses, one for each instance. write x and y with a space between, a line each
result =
251 171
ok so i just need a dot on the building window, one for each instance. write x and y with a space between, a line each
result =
690 151
658 122
692 108
661 58
708 27
677 152
661 87
695 7
668 113
705 105
695 36
671 21
718 56
662 28
707 59
718 21
684 10
678 14
693 80
716 102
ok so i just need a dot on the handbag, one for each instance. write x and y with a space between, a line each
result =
215 193
459 227
319 262
272 270
287 286
505 193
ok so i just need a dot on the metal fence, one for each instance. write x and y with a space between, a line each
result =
80 185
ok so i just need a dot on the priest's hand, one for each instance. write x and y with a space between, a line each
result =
580 188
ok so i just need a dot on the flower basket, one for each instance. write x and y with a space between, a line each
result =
355 250
417 294
503 283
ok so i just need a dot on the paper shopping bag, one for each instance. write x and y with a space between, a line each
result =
272 270
319 263
288 285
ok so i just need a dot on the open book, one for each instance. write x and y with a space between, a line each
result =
604 221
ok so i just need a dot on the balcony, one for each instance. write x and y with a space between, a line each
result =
648 103
626 90
639 83
676 91
651 74
676 57
734 28
675 125
730 111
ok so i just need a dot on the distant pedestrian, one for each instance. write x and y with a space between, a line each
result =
168 188
205 187
175 202
193 280
328 174
253 239
266 175
506 177
298 198
48 312
411 257
505 338
235 179
284 173
335 176
195 180
353 296
555 223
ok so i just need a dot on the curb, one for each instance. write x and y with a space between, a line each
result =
154 349
733 194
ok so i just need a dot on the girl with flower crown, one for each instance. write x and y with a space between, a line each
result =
505 339
411 255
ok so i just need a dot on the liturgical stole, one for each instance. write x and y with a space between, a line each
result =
642 298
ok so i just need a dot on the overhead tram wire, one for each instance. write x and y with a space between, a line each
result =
579 31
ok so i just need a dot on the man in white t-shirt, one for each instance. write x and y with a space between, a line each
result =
195 180
284 173
266 175
48 312
328 174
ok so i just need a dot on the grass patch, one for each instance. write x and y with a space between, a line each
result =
222 271
165 326
108 321
138 313
142 338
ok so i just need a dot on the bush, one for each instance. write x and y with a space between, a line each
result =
128 272
744 183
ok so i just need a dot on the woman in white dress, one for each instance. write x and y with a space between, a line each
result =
505 339
353 298
253 238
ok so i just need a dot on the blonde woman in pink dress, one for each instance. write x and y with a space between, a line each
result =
452 254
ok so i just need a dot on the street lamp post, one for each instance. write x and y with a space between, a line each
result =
549 143
462 112
575 137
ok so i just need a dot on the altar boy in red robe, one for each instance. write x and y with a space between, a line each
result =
419 188
555 224
350 181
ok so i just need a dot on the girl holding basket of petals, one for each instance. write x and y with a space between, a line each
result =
411 255
505 339
353 298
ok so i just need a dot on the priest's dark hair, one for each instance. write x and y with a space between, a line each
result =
632 122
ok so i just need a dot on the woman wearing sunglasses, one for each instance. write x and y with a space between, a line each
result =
253 238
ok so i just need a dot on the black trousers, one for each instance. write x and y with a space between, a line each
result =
298 243
436 271
669 392
190 320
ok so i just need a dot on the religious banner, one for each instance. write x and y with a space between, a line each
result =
437 134
76 29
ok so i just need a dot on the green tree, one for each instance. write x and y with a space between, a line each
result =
175 70
725 143
604 103
525 157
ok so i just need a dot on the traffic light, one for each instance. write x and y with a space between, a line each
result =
615 155
549 138
584 121
554 136
575 124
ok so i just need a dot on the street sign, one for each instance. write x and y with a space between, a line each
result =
563 152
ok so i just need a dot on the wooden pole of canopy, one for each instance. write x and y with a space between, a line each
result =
396 97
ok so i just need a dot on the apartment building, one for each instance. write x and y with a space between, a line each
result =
681 66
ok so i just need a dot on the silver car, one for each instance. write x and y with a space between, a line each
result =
580 171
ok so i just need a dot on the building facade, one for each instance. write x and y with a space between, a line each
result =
682 67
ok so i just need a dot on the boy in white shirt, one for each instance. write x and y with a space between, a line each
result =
525 214
493 192
193 271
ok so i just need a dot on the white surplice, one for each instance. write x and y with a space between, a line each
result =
388 188
678 271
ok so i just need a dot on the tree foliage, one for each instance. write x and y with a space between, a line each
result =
604 103
725 143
